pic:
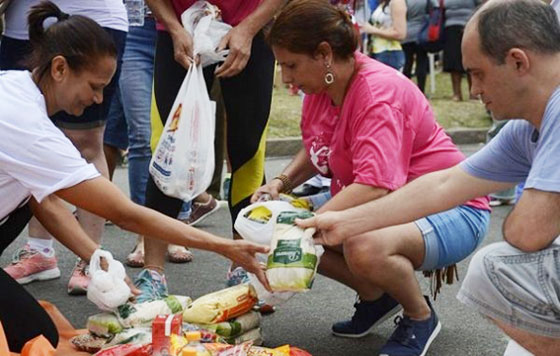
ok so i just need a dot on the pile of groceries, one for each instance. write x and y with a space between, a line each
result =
222 323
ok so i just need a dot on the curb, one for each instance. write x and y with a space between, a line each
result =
289 146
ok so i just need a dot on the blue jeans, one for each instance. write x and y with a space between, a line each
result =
393 59
128 124
452 235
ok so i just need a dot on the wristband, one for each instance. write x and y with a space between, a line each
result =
287 184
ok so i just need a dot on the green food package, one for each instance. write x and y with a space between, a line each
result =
235 327
132 315
253 335
104 324
292 261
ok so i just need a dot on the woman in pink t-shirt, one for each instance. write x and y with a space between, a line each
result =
369 128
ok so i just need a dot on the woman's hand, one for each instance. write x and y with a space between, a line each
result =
369 29
243 253
272 188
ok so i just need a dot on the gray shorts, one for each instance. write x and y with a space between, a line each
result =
520 289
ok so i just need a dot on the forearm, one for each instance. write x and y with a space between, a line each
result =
300 169
61 223
426 195
353 195
164 12
262 15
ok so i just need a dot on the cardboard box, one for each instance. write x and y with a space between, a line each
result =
162 328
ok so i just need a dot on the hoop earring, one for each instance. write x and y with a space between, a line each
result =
329 78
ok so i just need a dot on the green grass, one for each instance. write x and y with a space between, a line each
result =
286 109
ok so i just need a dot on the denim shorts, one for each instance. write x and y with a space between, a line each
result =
520 289
452 235
393 59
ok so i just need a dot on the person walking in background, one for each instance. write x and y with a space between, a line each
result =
386 30
457 13
415 18
37 260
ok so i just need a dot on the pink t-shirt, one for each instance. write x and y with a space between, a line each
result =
233 11
383 135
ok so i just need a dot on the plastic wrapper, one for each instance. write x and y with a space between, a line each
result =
88 343
254 336
104 324
134 315
221 305
107 289
264 351
293 259
237 326
136 336
127 350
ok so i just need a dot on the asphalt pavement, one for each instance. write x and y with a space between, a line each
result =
306 319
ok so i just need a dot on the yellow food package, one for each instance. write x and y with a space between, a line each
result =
264 351
221 305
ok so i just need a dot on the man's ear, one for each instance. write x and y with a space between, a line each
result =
518 59
59 68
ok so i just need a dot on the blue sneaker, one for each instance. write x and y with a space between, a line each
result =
237 276
412 337
152 284
366 317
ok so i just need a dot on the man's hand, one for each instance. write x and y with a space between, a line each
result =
183 47
243 253
238 40
329 225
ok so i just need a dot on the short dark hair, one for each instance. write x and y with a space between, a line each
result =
79 39
526 24
303 24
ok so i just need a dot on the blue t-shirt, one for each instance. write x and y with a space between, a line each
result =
520 152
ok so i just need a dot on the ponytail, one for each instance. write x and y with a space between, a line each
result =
79 39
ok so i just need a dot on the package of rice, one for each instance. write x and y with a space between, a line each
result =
293 259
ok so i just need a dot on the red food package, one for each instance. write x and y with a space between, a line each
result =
162 328
294 351
127 350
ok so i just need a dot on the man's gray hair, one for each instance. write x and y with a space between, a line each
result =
526 24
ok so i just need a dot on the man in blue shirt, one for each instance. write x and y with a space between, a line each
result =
512 51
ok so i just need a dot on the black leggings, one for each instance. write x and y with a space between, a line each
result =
21 316
247 98
410 49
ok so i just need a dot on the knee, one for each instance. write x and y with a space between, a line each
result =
364 254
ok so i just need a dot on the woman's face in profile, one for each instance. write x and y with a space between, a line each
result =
79 89
301 70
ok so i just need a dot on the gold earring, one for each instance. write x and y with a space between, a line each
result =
329 76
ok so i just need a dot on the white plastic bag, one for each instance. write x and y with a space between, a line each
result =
261 231
183 162
107 289
202 21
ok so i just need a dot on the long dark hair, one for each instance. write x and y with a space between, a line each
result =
79 39
303 24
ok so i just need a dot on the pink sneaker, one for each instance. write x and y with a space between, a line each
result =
79 281
30 265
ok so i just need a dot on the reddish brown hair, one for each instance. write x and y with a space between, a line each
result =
303 24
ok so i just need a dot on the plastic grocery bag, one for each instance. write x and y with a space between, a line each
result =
256 223
107 289
203 21
183 162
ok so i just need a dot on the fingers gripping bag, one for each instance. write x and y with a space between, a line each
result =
256 223
293 260
203 21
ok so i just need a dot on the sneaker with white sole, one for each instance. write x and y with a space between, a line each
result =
412 337
367 316
79 280
201 211
30 265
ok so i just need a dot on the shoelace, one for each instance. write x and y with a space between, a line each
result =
404 332
20 254
83 268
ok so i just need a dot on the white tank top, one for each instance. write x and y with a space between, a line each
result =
107 13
